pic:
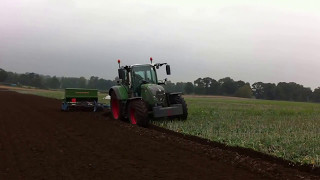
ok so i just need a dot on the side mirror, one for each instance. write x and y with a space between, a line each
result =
122 74
168 69
119 81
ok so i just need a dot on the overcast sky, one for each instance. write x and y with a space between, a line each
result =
250 40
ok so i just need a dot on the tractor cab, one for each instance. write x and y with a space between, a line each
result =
142 74
135 76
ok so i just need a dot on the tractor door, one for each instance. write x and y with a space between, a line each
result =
141 75
137 79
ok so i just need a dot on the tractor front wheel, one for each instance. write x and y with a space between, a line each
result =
138 113
180 100
116 107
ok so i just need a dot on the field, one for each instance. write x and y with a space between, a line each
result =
289 130
38 141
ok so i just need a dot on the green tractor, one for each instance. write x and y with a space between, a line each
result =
139 96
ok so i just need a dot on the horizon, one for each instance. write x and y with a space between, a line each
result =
88 78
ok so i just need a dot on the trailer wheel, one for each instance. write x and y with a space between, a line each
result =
116 107
64 107
97 107
180 100
138 113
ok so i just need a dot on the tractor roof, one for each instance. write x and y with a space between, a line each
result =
135 65
157 65
141 65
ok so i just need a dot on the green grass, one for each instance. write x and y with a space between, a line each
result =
44 93
289 130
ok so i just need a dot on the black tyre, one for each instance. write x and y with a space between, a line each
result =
116 109
64 107
180 100
97 107
138 113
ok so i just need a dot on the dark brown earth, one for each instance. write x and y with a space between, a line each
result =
38 141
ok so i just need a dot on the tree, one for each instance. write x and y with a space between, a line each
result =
169 86
244 91
258 90
82 82
31 79
179 87
264 90
69 82
207 83
269 91
211 86
110 83
3 75
93 82
12 78
53 83
214 87
104 85
307 94
189 88
292 92
199 86
239 84
316 95
227 86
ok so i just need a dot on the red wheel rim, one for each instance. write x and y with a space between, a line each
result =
115 108
132 116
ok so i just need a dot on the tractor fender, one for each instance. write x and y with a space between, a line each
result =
134 98
121 92
175 93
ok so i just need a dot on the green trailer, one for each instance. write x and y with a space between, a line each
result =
81 99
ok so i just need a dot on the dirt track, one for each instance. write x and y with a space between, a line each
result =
37 141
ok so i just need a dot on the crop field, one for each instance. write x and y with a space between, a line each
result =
289 130
38 141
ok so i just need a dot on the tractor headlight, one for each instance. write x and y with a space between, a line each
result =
160 96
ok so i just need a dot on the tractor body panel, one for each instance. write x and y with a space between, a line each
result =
153 94
172 110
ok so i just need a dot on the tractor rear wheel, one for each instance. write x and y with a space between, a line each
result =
138 113
116 109
180 100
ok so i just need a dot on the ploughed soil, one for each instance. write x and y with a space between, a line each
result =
38 141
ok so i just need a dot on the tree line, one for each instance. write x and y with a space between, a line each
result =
53 82
202 86
228 87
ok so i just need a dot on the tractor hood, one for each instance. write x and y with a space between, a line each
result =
153 94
